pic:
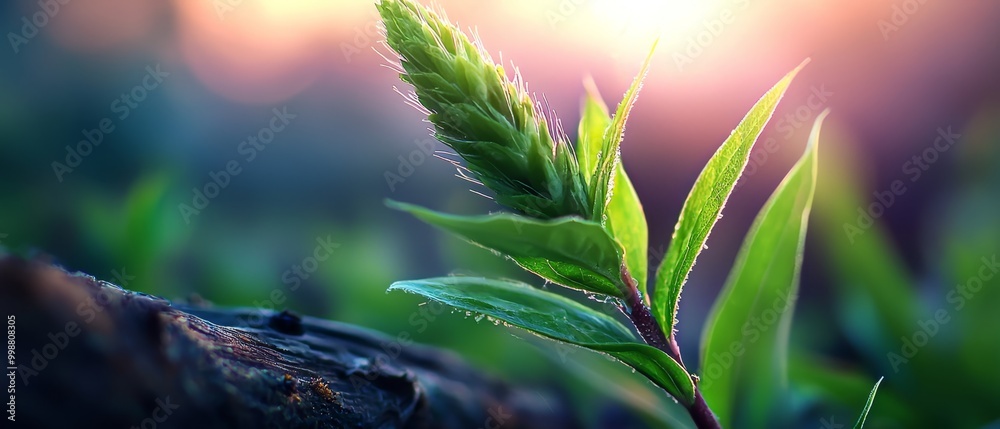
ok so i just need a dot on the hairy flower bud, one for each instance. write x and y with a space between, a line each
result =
488 119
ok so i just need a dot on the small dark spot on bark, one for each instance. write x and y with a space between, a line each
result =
153 327
287 322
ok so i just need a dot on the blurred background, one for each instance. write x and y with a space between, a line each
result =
234 148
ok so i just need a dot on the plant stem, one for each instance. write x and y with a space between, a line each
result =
701 414
651 332
646 324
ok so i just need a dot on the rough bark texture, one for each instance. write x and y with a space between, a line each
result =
90 354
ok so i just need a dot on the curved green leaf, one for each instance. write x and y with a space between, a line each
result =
704 204
627 222
569 251
569 275
558 318
868 405
594 121
625 218
608 158
745 342
657 366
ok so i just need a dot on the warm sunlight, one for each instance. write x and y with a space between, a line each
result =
652 17
259 51
298 13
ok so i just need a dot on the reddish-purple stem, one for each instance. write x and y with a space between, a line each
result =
651 332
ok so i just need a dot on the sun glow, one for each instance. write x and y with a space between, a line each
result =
645 18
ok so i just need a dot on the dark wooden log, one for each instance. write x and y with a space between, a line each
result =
90 354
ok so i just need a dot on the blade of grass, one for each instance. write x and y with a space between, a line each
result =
608 159
705 202
625 217
868 406
763 281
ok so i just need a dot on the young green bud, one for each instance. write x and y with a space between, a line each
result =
488 119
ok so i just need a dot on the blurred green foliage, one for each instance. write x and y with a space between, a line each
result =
932 334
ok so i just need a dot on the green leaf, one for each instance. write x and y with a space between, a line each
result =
747 329
627 222
625 218
569 251
602 181
569 275
555 317
594 121
656 365
868 405
703 206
